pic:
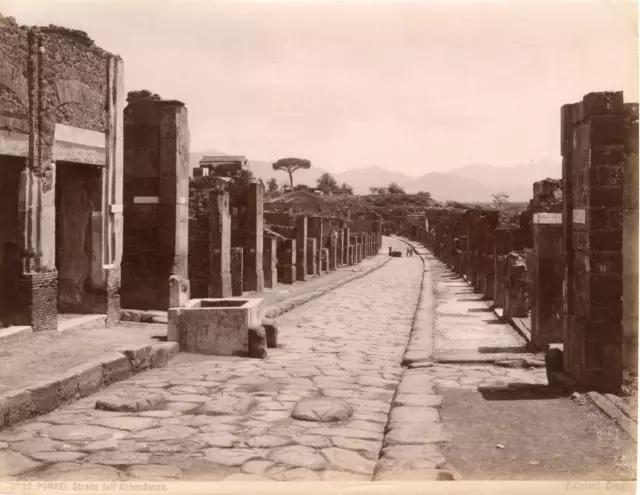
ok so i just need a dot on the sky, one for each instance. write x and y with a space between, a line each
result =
412 87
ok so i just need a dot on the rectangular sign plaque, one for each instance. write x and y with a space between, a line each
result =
547 218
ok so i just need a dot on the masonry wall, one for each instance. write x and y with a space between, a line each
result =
57 76
199 268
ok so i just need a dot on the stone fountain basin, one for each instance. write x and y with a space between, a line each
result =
218 327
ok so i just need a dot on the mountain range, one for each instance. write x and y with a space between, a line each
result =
470 183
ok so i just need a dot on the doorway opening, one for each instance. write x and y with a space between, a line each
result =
79 239
10 262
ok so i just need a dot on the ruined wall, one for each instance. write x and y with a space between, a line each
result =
50 75
199 268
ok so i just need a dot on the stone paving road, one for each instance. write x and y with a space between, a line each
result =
46 354
231 418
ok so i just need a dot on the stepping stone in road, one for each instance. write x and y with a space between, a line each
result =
324 410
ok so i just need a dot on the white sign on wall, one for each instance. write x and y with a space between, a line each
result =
146 200
547 218
579 216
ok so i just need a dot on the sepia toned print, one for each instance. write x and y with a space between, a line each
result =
416 259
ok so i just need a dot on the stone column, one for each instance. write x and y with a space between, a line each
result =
237 285
630 244
598 167
301 248
324 259
315 230
311 257
287 261
270 262
219 245
253 277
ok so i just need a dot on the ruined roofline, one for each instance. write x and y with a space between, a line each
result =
76 35
223 159
144 95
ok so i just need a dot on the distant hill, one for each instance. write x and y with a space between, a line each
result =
472 183
361 179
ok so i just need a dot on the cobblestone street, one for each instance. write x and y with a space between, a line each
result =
231 418
335 403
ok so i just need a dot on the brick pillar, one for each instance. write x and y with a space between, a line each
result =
253 274
219 245
155 201
315 230
237 285
377 230
597 170
502 246
547 276
515 302
301 248
350 254
630 244
339 249
287 261
324 259
492 219
567 130
490 264
270 262
333 250
311 257
346 239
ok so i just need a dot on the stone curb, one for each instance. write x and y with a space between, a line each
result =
139 316
81 381
417 355
294 302
15 334
616 413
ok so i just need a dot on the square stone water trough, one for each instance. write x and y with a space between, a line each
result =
215 326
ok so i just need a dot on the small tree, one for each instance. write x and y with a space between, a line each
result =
499 200
291 165
378 190
346 189
272 185
327 183
394 188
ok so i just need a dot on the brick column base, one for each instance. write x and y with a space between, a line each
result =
39 301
